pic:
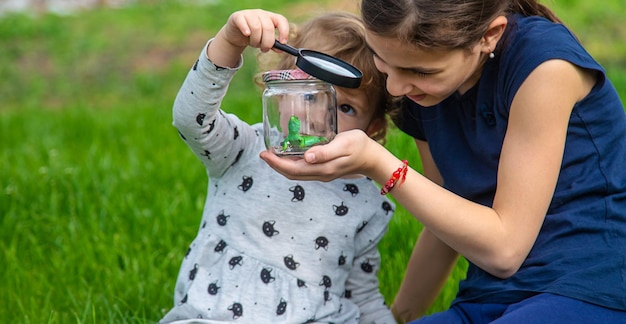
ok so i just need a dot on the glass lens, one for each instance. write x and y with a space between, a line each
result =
329 66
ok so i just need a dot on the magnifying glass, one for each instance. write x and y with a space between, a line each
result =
324 67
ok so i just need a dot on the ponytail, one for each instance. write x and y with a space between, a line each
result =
533 8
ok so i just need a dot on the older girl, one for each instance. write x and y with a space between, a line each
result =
523 143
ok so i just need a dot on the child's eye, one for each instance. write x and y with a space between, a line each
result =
310 97
347 109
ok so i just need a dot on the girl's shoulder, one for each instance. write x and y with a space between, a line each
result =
529 42
533 40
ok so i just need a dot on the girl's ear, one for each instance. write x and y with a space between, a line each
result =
493 34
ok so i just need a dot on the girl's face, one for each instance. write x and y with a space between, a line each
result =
425 76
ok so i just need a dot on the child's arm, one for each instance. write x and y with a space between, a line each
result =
362 288
218 139
215 137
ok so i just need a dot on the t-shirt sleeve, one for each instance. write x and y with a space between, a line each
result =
532 48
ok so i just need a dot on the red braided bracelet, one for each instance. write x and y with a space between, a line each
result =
399 174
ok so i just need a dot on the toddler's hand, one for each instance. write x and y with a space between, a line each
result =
255 28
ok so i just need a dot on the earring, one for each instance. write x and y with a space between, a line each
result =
492 55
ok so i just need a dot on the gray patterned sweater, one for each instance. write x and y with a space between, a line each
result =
269 249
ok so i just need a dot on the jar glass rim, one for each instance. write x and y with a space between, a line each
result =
286 75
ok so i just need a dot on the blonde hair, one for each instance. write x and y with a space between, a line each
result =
342 34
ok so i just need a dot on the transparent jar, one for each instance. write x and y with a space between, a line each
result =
299 111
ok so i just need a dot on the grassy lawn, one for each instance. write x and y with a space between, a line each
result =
99 198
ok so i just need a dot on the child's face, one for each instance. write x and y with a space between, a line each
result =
354 110
426 77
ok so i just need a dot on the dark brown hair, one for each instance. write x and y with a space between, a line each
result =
447 24
342 34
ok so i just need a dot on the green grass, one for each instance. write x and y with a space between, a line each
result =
99 198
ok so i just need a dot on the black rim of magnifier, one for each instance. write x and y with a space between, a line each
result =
305 65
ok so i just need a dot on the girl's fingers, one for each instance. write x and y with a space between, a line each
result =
323 162
290 168
340 148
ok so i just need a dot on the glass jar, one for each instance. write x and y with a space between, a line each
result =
299 111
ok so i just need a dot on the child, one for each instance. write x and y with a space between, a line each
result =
523 144
272 250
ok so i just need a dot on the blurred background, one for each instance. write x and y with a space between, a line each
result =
99 198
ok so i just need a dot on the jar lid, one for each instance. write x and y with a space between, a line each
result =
284 75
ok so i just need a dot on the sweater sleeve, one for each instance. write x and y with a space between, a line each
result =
362 285
363 289
218 139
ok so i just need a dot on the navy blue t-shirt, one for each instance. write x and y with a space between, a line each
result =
581 249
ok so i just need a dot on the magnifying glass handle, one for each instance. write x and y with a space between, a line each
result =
286 48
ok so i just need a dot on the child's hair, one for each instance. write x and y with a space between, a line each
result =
447 24
342 34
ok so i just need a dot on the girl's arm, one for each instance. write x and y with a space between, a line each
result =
497 238
430 264
427 271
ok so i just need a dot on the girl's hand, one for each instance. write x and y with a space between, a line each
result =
253 27
350 152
